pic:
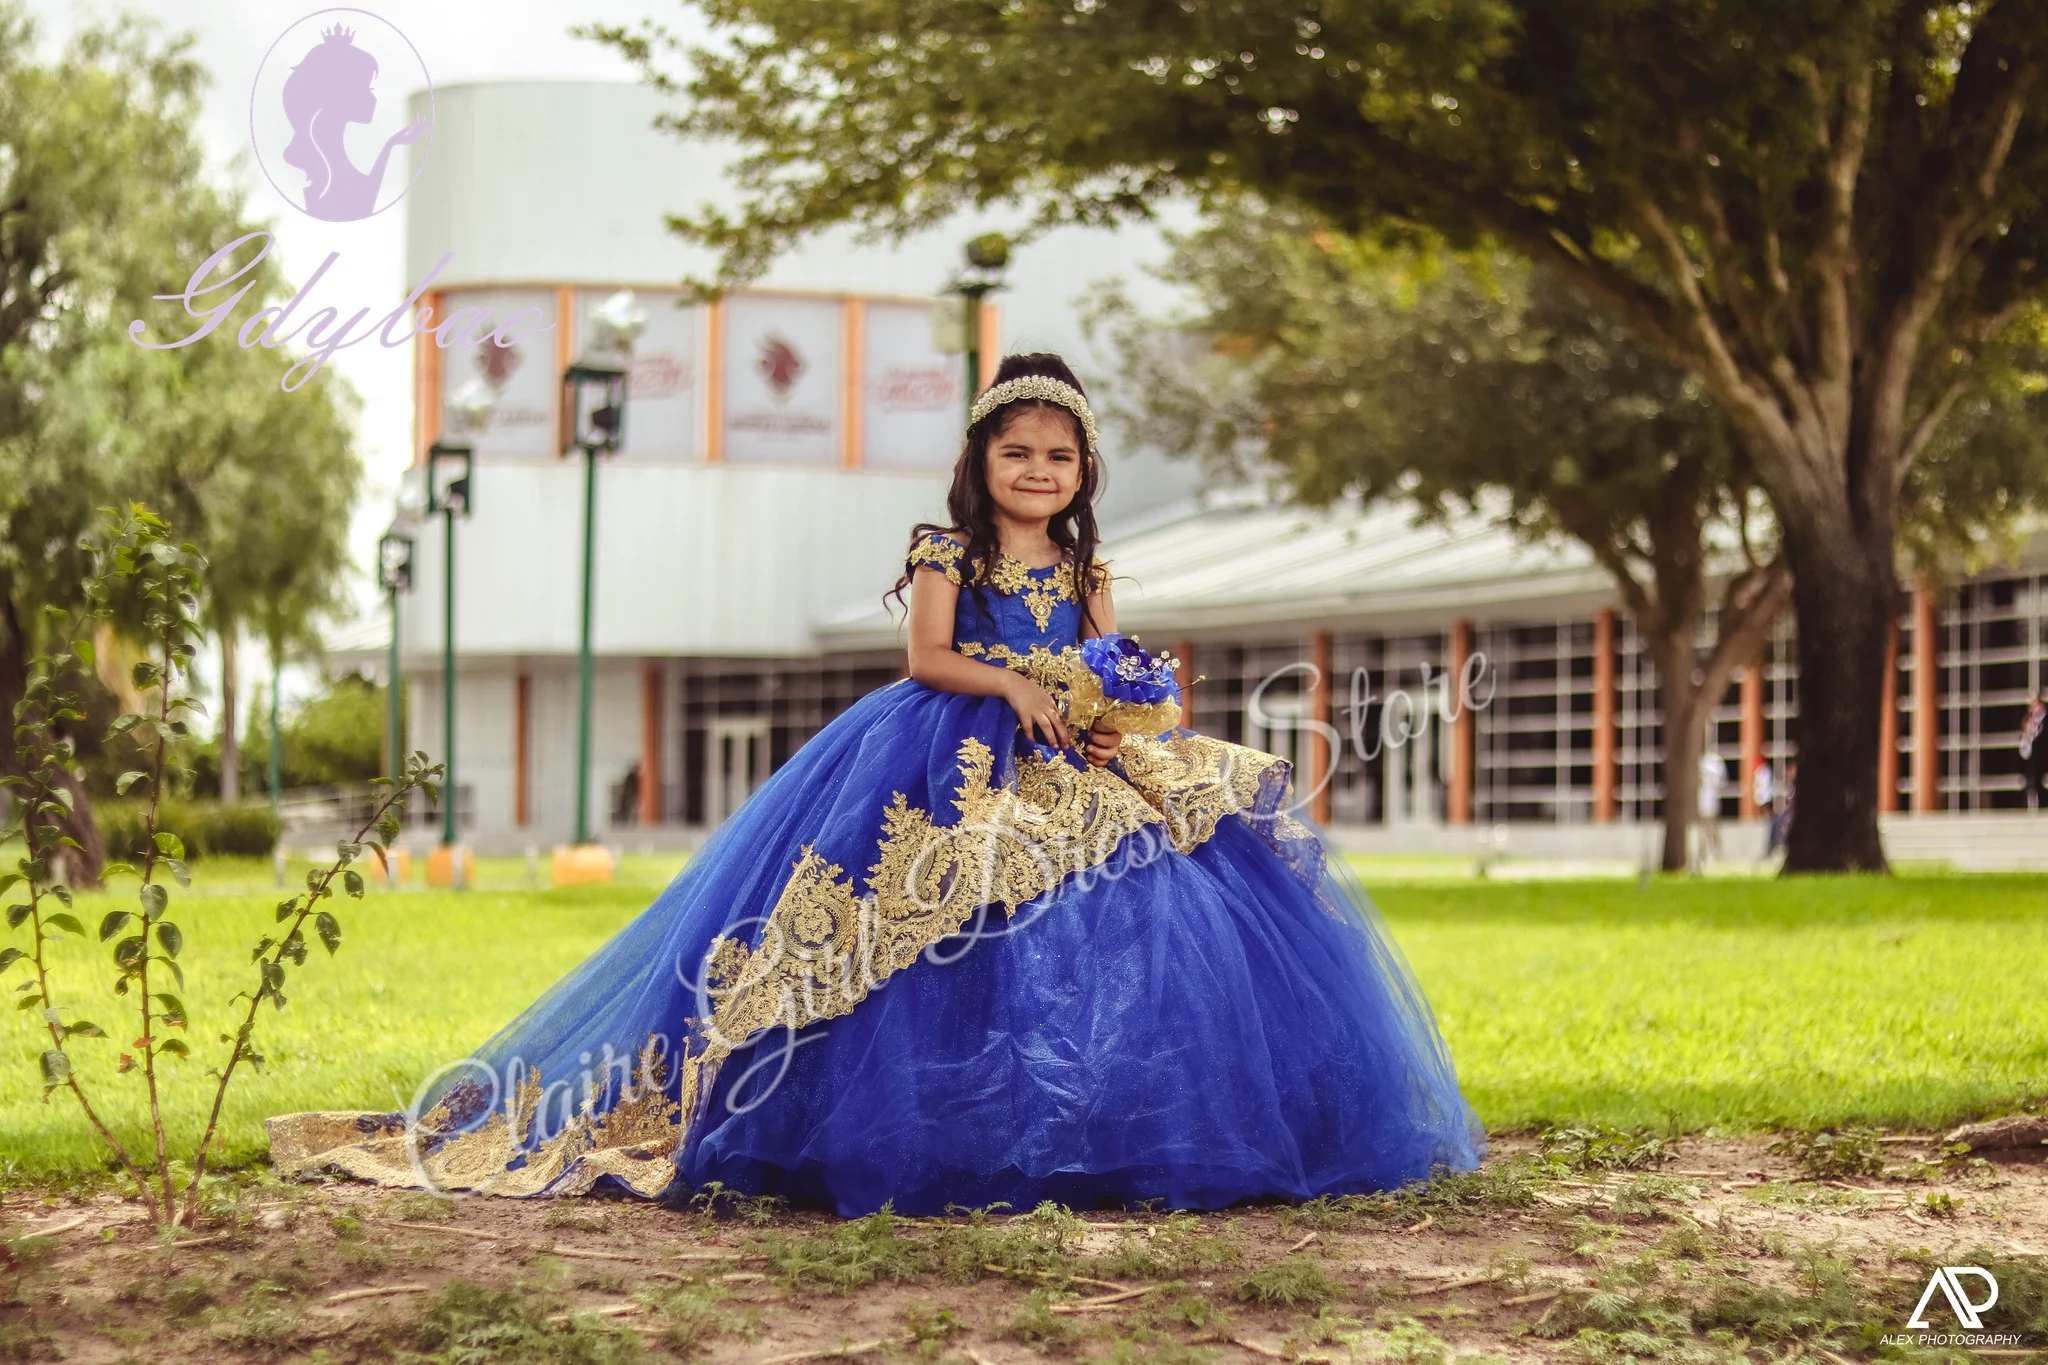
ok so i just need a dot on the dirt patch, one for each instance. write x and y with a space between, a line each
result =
1592 1250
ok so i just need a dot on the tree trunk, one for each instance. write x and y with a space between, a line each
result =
1679 700
230 741
83 865
1843 598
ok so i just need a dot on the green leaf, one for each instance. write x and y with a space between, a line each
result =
56 1068
313 880
10 956
286 909
179 871
122 869
256 954
175 1046
84 1028
17 913
113 923
28 1002
129 779
84 650
170 844
329 929
144 674
10 881
154 899
273 977
68 923
348 852
173 1009
171 966
61 892
352 881
129 952
169 937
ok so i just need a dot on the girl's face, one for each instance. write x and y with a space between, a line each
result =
1034 465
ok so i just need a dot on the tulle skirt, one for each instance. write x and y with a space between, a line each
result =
1191 1007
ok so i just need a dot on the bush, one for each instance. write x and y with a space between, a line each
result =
208 828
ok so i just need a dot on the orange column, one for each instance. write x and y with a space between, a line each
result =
650 744
565 351
427 377
1888 722
1605 734
1926 701
1461 730
522 753
1752 738
1320 758
1185 676
856 382
714 382
990 341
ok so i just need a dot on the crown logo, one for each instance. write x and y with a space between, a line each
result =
338 34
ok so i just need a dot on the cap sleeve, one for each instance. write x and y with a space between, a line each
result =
935 551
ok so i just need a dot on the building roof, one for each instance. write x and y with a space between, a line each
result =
1244 563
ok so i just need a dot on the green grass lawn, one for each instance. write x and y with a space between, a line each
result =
1732 1002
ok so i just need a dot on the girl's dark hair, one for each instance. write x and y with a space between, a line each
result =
973 508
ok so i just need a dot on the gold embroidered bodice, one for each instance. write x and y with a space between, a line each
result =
1016 609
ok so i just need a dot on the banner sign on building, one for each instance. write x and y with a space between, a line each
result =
784 380
522 376
913 405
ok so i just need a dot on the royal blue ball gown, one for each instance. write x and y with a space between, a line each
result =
932 964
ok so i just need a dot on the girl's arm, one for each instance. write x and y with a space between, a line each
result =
935 663
1102 744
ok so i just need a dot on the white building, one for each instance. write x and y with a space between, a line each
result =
781 443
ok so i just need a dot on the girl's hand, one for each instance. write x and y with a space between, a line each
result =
1037 712
1103 746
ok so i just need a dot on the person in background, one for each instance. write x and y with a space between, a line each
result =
1713 777
2034 748
1781 818
1762 793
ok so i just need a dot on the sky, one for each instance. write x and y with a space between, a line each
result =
459 40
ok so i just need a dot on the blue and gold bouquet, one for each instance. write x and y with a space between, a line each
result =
1118 686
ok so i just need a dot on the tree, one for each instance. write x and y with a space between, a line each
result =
1822 211
1406 372
105 202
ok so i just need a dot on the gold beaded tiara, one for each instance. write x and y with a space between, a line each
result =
1038 386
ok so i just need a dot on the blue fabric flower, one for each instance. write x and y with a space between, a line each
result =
1127 672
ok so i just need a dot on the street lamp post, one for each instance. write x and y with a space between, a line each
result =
987 256
594 421
394 576
449 470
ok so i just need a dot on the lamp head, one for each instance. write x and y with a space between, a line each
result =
394 562
449 468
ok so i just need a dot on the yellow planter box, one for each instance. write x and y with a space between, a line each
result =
441 866
583 865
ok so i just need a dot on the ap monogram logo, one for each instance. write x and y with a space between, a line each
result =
1949 1280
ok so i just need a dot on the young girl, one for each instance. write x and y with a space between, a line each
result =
944 956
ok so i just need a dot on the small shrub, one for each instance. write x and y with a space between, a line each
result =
1294 1281
1037 1325
1831 1155
1603 1147
209 829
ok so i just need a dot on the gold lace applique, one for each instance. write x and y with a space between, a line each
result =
1010 576
824 947
941 554
634 1140
1196 781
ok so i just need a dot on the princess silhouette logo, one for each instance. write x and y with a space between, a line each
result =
327 141
1948 1279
